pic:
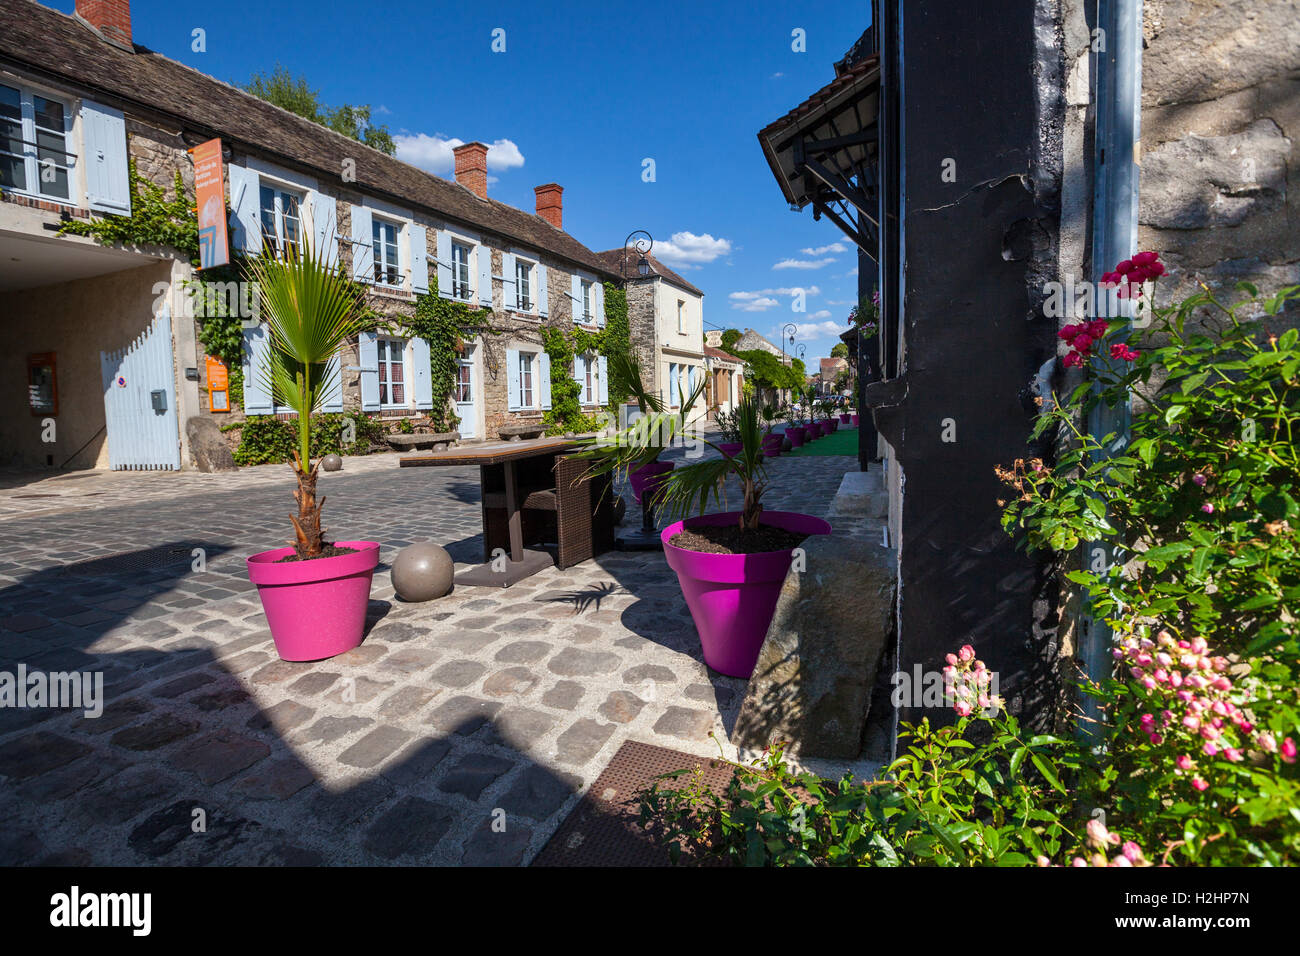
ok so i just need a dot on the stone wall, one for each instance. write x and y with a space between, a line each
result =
641 330
1220 116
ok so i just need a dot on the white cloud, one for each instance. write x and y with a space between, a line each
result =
821 314
803 263
686 250
822 250
435 153
754 305
777 76
839 302
812 330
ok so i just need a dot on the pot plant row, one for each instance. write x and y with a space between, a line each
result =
730 564
315 591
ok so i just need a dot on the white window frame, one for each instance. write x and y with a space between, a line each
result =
389 268
591 387
528 365
588 287
27 131
530 270
279 190
385 381
471 267
681 316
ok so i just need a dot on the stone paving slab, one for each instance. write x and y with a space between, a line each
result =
461 731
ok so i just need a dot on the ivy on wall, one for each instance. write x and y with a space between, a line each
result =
565 414
154 219
265 439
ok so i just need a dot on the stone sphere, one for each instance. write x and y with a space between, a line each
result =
620 509
331 463
422 572
786 444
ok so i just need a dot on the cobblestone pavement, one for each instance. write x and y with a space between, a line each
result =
483 703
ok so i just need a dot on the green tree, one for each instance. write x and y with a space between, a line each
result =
293 93
839 350
729 339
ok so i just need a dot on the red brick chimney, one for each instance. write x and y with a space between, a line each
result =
471 168
550 203
111 19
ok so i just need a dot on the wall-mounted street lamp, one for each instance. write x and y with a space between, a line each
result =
801 351
640 242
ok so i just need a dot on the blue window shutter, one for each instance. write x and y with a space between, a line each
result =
575 296
363 258
257 349
332 400
368 359
324 227
418 256
508 297
108 178
444 264
672 384
545 378
512 380
580 376
604 381
543 300
484 256
245 195
421 376
598 291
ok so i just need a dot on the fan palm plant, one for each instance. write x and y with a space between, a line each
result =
312 309
642 441
690 488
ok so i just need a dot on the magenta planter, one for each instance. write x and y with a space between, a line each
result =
832 425
817 429
855 421
730 448
648 477
795 434
772 445
732 596
845 418
316 609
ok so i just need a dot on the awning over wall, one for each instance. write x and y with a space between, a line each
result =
823 152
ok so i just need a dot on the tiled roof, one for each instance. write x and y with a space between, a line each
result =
711 352
827 93
46 43
613 257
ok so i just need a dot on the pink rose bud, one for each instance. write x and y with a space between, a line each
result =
1208 508
1199 479
1288 750
1199 784
1125 267
1132 852
967 653
1266 742
1184 762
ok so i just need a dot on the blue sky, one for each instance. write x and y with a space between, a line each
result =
582 95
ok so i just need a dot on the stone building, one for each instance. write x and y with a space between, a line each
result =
665 314
1100 129
105 335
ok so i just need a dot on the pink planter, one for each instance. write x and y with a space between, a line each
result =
730 448
316 609
648 477
732 596
772 445
855 421
817 429
845 418
795 434
832 425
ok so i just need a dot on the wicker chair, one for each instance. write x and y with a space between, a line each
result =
556 508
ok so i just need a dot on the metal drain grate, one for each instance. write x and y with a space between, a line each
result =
165 557
603 830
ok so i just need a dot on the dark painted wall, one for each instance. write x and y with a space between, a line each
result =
973 337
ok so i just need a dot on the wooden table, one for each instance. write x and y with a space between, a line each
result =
523 562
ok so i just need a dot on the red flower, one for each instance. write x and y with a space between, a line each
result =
1145 258
1126 266
1098 328
1121 351
1073 360
1083 341
1111 279
1069 332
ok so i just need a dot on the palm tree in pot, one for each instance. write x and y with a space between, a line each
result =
315 591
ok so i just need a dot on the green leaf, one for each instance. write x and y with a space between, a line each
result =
1047 773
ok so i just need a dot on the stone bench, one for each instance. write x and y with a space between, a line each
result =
517 432
436 441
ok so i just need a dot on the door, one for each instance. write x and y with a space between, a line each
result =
466 407
140 401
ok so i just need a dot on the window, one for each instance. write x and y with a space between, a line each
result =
587 317
588 378
281 215
681 316
392 372
523 285
465 384
384 236
674 383
34 157
526 379
460 253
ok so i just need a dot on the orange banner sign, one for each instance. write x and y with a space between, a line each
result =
210 197
218 385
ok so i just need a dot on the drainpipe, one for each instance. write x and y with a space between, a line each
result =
1118 97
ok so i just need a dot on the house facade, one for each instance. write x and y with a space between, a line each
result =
665 315
105 335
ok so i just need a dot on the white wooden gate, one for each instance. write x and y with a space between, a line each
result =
140 401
